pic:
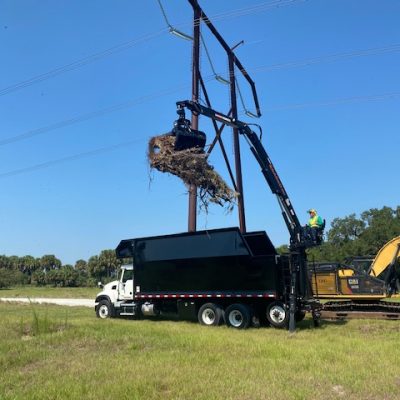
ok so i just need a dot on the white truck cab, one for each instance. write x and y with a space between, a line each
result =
117 297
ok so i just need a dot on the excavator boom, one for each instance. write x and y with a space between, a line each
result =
386 257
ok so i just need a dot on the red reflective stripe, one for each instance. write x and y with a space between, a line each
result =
217 295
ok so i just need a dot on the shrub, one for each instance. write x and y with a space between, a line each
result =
10 278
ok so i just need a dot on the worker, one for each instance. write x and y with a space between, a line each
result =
314 225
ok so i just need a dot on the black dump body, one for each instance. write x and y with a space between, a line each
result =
212 261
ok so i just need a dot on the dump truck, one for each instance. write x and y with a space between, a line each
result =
222 274
212 276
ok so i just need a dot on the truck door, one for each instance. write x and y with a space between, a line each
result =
126 285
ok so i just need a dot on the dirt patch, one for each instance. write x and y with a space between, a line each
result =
339 390
378 329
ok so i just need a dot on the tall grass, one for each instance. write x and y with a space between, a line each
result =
126 359
41 324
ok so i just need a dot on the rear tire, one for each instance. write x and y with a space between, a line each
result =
277 315
210 314
238 316
299 316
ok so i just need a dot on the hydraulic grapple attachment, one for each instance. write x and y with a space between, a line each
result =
188 138
180 152
185 136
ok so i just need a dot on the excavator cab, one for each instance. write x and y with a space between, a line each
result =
185 136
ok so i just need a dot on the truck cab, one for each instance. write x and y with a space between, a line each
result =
116 298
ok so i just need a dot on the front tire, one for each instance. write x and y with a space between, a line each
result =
238 316
277 315
104 309
210 314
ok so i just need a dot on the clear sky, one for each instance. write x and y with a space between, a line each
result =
80 76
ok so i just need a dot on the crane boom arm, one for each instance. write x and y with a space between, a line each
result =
259 152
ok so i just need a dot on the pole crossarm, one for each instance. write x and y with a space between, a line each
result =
229 51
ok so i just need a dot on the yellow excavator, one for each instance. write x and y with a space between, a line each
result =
357 288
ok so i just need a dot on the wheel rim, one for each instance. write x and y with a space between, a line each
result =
235 318
277 314
208 316
103 311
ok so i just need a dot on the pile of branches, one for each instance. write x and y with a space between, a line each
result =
191 165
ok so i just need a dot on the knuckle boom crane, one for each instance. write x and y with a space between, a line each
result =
218 275
300 239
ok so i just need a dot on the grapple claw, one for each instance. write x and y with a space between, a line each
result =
187 138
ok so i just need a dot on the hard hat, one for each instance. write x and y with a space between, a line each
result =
311 210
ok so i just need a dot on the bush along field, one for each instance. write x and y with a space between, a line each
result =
51 352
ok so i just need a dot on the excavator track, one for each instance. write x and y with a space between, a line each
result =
341 310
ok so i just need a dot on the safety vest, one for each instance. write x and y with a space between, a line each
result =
315 221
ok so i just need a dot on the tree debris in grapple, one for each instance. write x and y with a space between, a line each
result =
192 167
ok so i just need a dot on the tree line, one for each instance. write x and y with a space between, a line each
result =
49 270
354 236
350 236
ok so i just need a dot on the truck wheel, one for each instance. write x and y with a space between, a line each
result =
210 314
238 316
277 315
299 316
104 309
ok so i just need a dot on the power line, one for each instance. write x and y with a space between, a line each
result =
131 43
90 115
128 143
330 58
68 158
354 99
266 6
143 99
79 63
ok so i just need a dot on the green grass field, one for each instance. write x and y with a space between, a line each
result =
52 352
51 292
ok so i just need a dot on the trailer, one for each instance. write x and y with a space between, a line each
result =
214 276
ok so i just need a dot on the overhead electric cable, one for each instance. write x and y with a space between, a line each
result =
131 103
329 58
90 115
119 145
266 6
99 113
354 99
69 158
79 63
143 99
131 43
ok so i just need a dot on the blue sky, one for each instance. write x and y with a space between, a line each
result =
327 76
